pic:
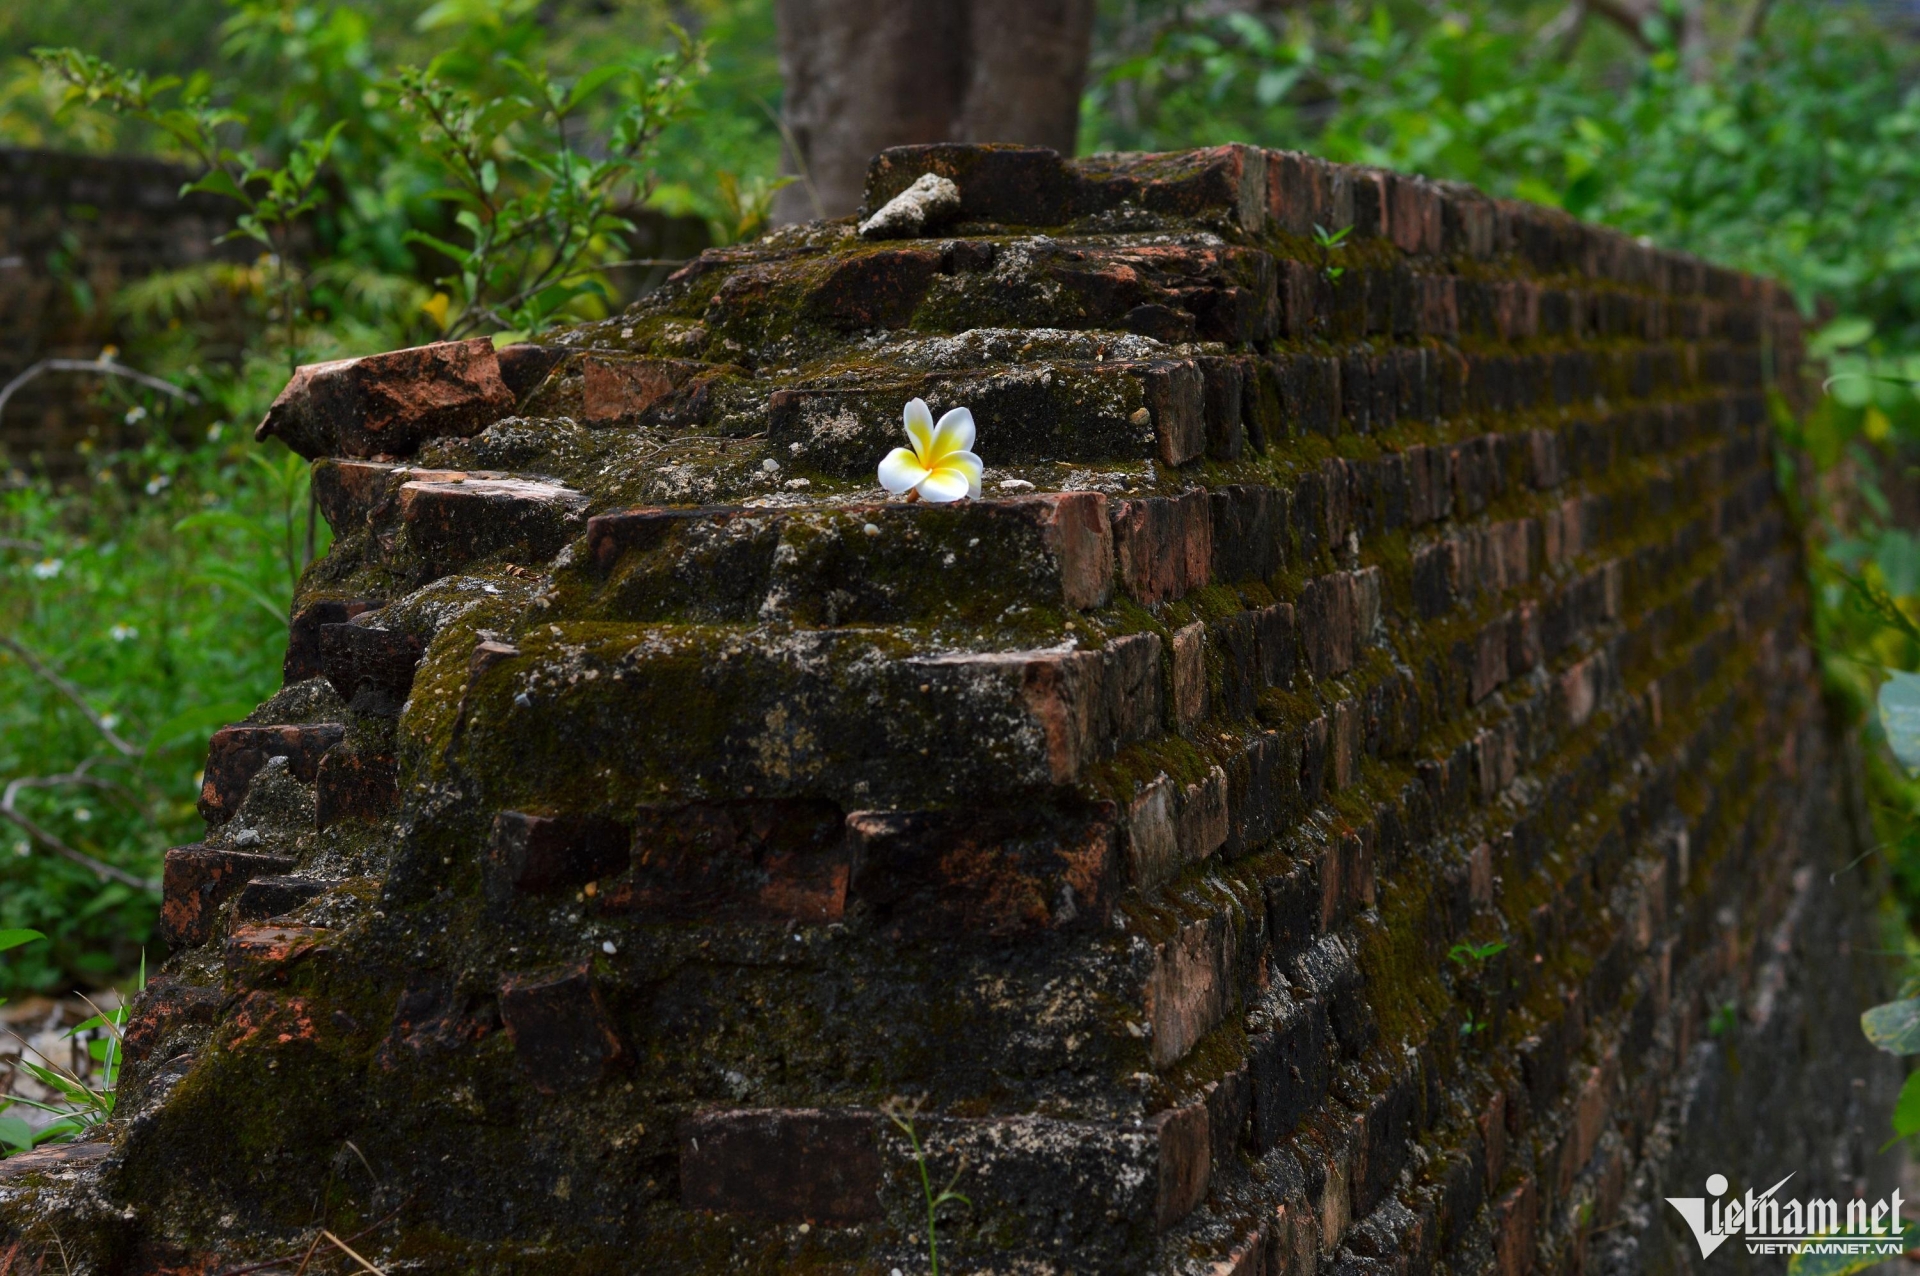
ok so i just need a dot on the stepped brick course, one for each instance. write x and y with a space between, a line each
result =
1311 814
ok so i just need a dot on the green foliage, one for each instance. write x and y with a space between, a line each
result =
158 593
533 206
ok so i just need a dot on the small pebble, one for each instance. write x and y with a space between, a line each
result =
608 948
770 465
871 530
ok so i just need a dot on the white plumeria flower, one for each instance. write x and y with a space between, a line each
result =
939 467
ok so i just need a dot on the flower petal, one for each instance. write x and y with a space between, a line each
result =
901 471
953 434
918 418
948 483
967 463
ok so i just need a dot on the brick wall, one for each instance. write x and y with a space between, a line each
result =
1351 795
73 230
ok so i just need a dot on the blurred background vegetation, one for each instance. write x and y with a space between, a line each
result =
1780 137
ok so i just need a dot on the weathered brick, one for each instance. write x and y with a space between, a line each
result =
453 522
388 404
1201 822
1248 526
303 634
1163 547
1187 989
1512 1220
370 668
1189 675
1186 1161
1326 616
742 860
166 1003
236 754
560 1032
992 873
637 391
794 1164
196 880
532 853
1290 1065
1233 640
353 785
263 898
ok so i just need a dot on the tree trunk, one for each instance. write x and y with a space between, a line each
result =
863 75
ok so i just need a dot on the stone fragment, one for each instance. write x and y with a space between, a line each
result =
196 880
791 1165
348 491
991 873
931 201
560 1032
388 404
236 754
527 854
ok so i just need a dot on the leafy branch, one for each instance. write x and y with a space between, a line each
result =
540 215
272 198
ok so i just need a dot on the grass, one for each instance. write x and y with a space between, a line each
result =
142 609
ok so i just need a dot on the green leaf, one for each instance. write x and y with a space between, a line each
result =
15 938
1900 716
1906 1110
1894 1026
15 1134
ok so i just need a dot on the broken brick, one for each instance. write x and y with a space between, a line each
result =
196 880
236 754
560 1032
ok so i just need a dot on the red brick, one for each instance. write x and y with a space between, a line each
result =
236 754
1163 547
614 389
1202 821
303 634
1176 398
1186 1161
560 1031
264 898
1513 1220
1189 675
747 860
1415 218
524 366
371 669
388 404
452 523
996 873
355 786
196 880
166 1003
1153 848
791 1165
531 853
1187 991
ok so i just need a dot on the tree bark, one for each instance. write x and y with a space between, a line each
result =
863 75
